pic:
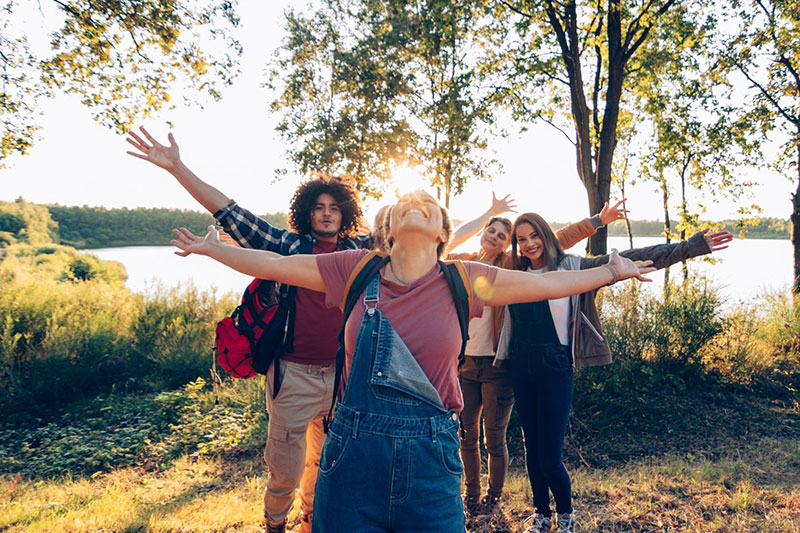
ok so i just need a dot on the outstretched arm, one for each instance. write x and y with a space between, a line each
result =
470 228
514 286
664 255
168 158
300 270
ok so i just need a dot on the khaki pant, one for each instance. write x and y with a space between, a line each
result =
486 389
295 435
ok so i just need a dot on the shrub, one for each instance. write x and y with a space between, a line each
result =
654 341
209 423
175 333
61 341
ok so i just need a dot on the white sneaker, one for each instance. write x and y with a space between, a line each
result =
566 523
537 523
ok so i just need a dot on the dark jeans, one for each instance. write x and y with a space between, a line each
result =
542 378
488 389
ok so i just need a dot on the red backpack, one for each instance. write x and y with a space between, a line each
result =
249 340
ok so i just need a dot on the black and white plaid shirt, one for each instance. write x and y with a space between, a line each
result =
252 232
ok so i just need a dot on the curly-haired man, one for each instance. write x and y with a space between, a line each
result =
324 215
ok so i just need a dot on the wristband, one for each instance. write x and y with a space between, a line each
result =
613 274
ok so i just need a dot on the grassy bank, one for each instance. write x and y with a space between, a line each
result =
721 461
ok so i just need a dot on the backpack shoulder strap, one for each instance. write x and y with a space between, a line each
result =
364 271
461 288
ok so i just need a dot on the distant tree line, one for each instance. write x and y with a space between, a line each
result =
98 227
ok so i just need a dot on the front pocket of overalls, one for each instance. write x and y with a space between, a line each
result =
555 357
392 395
449 452
333 451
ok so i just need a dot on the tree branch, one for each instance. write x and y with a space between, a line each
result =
558 128
764 92
628 52
515 10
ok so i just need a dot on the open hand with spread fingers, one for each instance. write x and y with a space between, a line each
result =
624 268
610 214
166 157
717 241
189 243
502 205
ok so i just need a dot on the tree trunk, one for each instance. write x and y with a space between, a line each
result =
607 136
683 228
627 220
796 225
667 226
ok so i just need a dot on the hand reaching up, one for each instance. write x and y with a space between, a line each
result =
610 214
502 205
166 157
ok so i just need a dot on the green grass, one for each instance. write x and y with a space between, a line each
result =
665 461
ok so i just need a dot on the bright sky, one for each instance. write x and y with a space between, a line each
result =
232 145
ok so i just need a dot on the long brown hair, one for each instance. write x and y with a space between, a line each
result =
552 250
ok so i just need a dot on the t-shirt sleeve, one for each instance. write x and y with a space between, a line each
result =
482 277
335 269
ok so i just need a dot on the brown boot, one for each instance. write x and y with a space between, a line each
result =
275 528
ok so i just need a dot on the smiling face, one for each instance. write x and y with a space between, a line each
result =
530 244
419 212
495 238
326 218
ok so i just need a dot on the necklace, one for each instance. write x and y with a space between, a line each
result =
398 278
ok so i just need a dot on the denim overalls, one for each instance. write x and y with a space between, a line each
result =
542 376
390 461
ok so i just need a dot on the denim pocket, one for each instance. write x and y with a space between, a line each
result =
556 357
449 452
333 451
391 395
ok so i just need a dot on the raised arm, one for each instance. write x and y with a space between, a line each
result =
470 228
515 286
300 270
572 234
169 158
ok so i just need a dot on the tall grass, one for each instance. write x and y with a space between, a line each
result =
69 328
682 338
61 339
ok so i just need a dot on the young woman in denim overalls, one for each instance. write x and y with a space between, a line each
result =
390 461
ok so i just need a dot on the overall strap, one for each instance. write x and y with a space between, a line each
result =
367 268
461 288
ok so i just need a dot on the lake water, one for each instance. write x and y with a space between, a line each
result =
745 270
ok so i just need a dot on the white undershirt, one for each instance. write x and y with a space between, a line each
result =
481 340
559 309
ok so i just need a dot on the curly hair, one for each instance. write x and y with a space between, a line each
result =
305 197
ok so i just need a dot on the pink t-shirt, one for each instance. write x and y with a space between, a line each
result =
316 325
423 314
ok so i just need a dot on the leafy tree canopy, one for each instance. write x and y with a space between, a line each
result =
125 58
